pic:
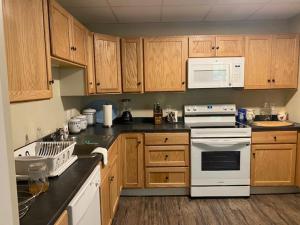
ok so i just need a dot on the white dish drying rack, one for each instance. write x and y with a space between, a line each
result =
57 155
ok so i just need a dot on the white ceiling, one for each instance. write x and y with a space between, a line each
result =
142 11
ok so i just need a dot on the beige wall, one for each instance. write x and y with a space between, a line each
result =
293 105
142 104
153 29
39 118
8 192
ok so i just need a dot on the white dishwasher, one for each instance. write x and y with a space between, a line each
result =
84 209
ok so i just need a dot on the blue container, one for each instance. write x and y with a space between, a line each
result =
241 115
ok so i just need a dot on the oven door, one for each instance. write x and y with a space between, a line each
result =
220 161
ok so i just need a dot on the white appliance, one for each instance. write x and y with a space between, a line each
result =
85 206
216 72
220 151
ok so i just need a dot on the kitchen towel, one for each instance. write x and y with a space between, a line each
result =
107 115
102 151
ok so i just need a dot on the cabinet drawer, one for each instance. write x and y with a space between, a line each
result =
173 155
167 177
273 137
166 138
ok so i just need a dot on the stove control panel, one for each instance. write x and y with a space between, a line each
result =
210 109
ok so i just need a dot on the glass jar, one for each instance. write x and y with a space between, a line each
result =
38 178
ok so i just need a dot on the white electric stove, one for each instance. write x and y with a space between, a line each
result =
220 151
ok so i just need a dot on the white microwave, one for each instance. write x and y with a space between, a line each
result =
216 72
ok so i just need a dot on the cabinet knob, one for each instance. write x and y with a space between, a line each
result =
217 47
139 142
166 139
75 48
111 178
167 178
72 48
273 80
253 154
213 47
166 157
183 83
275 138
51 82
91 83
269 80
98 84
139 83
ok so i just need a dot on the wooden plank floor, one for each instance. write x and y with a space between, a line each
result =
256 210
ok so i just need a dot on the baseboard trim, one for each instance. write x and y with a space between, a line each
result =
156 192
274 190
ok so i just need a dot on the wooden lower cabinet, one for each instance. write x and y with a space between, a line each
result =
133 159
113 187
273 164
105 201
167 177
63 219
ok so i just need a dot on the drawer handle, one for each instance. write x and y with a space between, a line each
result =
166 157
167 178
275 138
166 139
253 155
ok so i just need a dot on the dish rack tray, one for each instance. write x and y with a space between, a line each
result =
55 154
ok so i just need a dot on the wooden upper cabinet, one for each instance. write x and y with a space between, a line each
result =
68 36
273 164
27 49
202 46
230 45
79 42
165 63
90 70
257 62
63 219
132 64
60 30
211 45
285 58
107 63
133 164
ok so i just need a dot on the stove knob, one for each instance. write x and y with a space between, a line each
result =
194 109
188 109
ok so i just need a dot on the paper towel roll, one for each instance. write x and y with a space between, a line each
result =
107 115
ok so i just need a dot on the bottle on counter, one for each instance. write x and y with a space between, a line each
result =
157 114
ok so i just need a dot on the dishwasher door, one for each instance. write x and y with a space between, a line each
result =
84 209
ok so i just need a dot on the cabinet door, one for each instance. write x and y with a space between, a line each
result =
202 46
230 45
165 63
120 164
285 57
60 30
79 42
132 65
133 168
113 188
258 62
27 49
273 165
90 70
105 201
107 63
63 219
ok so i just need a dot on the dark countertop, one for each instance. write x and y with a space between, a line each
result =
47 207
294 127
98 136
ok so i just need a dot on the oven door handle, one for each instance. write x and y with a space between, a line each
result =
218 142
